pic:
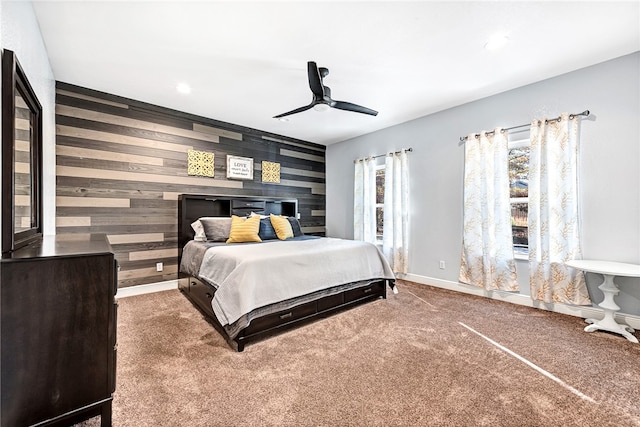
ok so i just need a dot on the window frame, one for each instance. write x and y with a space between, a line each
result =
379 237
520 143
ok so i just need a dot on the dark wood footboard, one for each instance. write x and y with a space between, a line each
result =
200 294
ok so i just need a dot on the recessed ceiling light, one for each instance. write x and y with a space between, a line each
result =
496 41
183 88
284 119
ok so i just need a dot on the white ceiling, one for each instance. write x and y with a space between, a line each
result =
246 61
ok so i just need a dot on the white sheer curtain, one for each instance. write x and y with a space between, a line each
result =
395 234
487 248
554 234
364 200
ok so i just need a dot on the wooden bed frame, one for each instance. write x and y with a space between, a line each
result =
191 207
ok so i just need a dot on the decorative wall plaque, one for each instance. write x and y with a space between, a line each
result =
200 163
239 167
270 172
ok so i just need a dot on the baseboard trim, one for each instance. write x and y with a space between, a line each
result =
578 311
146 289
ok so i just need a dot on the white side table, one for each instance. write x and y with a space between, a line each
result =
609 270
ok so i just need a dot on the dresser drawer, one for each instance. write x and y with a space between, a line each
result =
113 347
374 290
281 317
202 295
330 302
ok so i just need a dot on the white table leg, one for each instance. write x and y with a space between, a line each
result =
608 323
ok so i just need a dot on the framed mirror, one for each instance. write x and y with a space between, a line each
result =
21 157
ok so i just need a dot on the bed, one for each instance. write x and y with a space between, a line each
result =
251 290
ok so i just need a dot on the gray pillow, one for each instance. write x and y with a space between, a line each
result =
295 226
216 228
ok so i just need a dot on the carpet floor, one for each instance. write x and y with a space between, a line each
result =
423 357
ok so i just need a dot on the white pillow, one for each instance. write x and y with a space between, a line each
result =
199 229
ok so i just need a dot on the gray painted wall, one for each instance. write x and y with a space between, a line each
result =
609 169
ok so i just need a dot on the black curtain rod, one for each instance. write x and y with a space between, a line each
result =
382 155
571 116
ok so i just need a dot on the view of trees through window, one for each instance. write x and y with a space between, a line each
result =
379 202
519 195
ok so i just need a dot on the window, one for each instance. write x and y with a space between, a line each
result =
379 202
519 194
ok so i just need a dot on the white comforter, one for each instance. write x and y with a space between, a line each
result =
250 276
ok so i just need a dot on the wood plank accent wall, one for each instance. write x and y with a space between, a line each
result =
121 164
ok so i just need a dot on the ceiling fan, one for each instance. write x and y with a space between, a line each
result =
322 95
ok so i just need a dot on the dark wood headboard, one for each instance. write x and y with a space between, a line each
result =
193 206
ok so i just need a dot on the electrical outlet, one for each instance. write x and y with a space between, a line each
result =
159 266
442 265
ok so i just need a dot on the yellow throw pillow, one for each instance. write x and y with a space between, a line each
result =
282 226
244 229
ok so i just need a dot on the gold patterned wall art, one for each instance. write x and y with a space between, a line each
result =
270 172
200 163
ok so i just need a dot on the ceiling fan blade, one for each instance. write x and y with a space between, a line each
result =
297 110
348 106
315 82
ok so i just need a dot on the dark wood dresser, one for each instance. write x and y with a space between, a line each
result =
58 331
